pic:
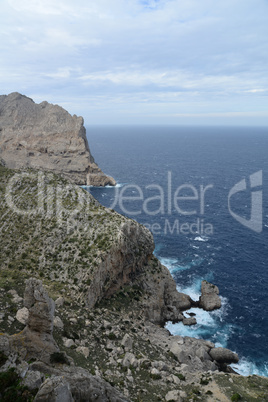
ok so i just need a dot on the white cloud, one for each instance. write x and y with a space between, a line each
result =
141 53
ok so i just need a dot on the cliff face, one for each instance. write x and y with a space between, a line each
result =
109 294
76 243
45 136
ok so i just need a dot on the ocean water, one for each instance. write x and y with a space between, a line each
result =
197 237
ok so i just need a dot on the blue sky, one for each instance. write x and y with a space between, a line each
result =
140 61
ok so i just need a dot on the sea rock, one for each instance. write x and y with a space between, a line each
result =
165 302
45 136
209 299
189 321
222 355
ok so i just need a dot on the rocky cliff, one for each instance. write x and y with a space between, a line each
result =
88 324
45 136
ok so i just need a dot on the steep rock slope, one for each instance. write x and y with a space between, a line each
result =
45 136
59 232
110 296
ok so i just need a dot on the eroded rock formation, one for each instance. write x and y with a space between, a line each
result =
45 136
209 299
36 340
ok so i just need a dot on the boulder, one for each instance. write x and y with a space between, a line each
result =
68 343
129 360
22 315
222 355
173 396
33 379
59 301
127 342
84 350
209 299
189 321
58 323
55 389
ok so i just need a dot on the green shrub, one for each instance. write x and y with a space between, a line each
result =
3 359
155 376
112 336
11 391
236 397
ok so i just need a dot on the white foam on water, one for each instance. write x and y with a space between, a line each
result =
173 264
104 187
207 328
201 238
246 367
210 324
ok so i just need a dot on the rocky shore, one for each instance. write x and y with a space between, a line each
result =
84 302
45 136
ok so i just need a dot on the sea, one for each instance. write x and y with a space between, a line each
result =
203 192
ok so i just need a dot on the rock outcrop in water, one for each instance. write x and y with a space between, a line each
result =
209 299
45 136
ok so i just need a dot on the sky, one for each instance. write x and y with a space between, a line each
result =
159 62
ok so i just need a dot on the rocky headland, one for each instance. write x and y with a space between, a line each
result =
45 136
83 302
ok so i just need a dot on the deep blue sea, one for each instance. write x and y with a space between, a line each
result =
176 180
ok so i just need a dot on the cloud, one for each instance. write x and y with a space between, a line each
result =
163 54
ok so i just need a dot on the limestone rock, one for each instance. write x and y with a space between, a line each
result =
129 360
222 355
41 307
23 315
33 379
58 322
55 389
127 342
189 321
209 299
173 396
68 343
46 137
59 301
84 350
36 340
82 385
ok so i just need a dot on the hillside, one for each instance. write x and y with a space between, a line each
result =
90 325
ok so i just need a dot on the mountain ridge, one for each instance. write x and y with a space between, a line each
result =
45 136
